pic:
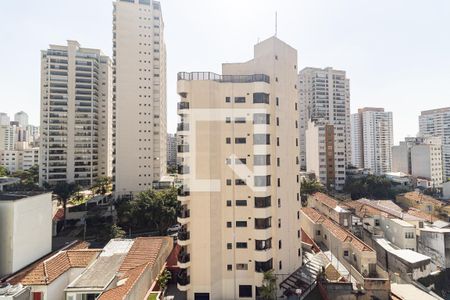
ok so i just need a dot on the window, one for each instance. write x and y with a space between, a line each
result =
227 120
239 182
241 223
229 246
241 161
228 202
229 224
263 223
242 267
278 182
264 266
409 235
262 180
261 139
239 120
245 291
263 244
277 100
37 296
241 245
241 202
261 159
279 244
318 232
261 118
261 98
239 99
280 265
229 267
228 140
240 140
228 181
227 99
346 253
261 202
278 162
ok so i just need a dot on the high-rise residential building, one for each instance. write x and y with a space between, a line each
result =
76 112
436 122
4 119
139 95
240 174
22 118
325 111
372 139
171 150
8 137
420 157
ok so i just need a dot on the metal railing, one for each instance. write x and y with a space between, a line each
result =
223 78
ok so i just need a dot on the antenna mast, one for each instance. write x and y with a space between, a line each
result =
276 23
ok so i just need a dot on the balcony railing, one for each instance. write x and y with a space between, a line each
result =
223 78
184 257
183 126
183 105
184 235
183 279
183 148
185 213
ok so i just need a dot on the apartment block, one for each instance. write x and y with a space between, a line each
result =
171 150
436 122
420 157
19 160
22 118
4 119
139 56
76 113
325 146
372 139
239 168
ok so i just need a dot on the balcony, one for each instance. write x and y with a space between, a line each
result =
184 237
183 105
223 78
183 127
184 260
183 281
183 148
261 267
183 170
184 216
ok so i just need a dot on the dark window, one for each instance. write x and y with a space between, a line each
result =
261 245
278 161
240 161
239 182
261 98
228 181
278 141
261 160
345 252
228 140
241 202
241 245
227 120
227 99
277 101
228 202
279 244
229 224
229 246
262 180
278 182
241 140
239 120
261 118
229 267
263 223
239 99
264 266
261 202
241 223
261 139
245 291
201 296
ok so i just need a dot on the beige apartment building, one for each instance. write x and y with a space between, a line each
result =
76 112
239 167
139 120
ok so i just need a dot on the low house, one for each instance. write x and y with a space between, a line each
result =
400 181
330 207
435 243
421 202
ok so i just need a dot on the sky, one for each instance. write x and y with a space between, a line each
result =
396 53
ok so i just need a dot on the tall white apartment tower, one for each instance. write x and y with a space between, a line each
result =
76 113
372 139
239 167
325 110
22 118
436 122
139 56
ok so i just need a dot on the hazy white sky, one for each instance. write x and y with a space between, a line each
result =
396 53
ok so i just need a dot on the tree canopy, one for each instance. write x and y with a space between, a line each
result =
372 187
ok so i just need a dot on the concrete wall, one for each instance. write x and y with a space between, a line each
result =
435 245
25 231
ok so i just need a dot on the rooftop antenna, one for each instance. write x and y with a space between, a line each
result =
276 23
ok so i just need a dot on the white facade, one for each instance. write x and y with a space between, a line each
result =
426 162
75 115
7 137
171 150
240 177
372 140
325 100
22 118
25 230
19 160
4 119
436 123
140 95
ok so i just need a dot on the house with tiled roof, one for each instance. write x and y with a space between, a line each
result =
125 269
421 202
48 276
332 208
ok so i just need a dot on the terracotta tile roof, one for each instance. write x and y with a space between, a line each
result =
313 214
307 240
420 214
48 269
142 255
339 232
421 198
363 210
59 215
325 199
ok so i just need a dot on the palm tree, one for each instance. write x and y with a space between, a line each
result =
101 185
65 191
163 279
268 290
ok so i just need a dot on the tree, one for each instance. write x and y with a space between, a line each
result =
3 171
116 232
102 185
372 187
65 191
163 279
268 290
309 187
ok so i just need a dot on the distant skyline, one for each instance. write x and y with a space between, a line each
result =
396 53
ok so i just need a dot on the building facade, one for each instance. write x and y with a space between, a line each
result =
436 122
325 112
22 118
372 139
239 167
75 114
171 150
139 56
